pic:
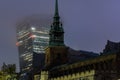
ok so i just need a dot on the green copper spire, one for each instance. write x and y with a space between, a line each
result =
56 14
56 9
56 31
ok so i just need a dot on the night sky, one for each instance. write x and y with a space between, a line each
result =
88 24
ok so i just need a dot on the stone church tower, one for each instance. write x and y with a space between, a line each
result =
56 52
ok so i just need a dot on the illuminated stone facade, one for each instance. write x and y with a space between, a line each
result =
8 72
103 67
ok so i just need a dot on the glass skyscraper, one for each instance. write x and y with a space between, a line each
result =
30 39
40 39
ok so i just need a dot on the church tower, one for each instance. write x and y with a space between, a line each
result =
56 52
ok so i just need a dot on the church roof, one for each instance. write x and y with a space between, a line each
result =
111 47
83 63
78 55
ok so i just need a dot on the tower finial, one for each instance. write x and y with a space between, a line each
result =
56 9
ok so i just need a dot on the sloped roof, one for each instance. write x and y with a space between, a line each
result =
111 47
77 55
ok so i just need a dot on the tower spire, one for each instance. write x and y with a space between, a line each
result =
56 52
56 31
56 14
56 9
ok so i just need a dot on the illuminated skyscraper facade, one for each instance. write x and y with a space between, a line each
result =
24 43
30 39
40 39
